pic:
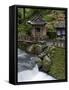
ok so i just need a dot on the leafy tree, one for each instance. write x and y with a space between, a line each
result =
50 16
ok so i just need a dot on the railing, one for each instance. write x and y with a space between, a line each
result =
26 38
30 38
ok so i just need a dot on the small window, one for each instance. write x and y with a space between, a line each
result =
37 29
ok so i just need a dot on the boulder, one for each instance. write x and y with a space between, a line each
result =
46 63
42 55
38 61
35 49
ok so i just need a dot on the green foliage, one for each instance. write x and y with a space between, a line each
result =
52 35
22 45
57 69
25 28
50 16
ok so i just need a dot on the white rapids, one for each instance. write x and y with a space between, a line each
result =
32 74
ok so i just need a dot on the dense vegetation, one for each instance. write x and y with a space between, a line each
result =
58 64
50 16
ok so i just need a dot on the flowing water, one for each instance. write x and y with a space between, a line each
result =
28 69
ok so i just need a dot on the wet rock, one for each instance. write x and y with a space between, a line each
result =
46 63
42 55
35 49
38 61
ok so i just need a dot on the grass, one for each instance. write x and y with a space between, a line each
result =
57 69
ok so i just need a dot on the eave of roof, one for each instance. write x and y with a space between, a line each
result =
37 20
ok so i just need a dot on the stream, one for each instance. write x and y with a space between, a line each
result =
28 69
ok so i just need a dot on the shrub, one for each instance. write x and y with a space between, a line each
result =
51 35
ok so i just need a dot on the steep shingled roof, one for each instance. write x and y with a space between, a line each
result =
37 20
